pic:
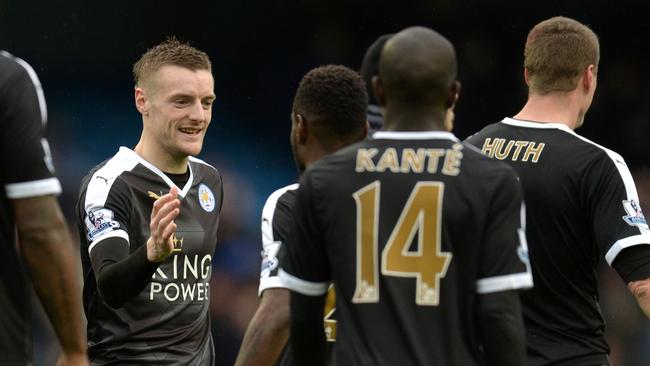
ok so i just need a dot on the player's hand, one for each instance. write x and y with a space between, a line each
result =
72 359
165 210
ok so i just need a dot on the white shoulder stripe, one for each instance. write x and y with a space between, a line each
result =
269 210
37 84
270 282
102 180
617 159
620 165
512 281
304 287
33 188
130 154
111 234
197 160
630 241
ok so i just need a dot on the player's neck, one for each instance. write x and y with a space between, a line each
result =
160 158
555 107
412 120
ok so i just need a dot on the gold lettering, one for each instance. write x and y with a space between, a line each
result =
533 151
434 157
388 160
364 160
519 145
452 162
489 146
412 161
502 153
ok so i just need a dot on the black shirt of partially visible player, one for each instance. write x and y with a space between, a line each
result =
581 205
26 172
277 218
168 322
411 228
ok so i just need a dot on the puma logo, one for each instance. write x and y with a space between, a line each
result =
105 179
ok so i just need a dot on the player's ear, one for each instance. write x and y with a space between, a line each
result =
526 77
589 78
366 129
378 88
454 94
141 101
301 128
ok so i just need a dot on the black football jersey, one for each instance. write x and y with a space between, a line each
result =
26 172
168 323
582 205
276 222
277 218
411 227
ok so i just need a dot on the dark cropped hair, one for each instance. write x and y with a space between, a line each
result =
335 97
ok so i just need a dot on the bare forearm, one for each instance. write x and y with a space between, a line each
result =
47 249
263 342
641 291
50 260
268 332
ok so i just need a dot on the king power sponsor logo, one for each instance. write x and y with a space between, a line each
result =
186 278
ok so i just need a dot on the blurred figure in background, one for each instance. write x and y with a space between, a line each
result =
370 69
29 206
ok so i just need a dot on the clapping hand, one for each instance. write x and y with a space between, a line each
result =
165 210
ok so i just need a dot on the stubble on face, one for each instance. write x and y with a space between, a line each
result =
181 105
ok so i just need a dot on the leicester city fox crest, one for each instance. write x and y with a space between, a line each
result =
206 198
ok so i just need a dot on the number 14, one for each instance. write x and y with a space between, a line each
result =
422 214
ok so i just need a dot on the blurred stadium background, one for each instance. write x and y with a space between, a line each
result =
83 53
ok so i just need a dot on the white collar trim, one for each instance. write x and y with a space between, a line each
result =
163 176
414 135
539 125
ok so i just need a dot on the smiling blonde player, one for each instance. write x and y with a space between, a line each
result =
147 253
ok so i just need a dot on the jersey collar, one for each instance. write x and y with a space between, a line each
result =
414 135
539 125
181 192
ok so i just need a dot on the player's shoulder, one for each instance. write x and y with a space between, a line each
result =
478 165
204 167
338 159
105 176
11 65
486 131
15 73
283 196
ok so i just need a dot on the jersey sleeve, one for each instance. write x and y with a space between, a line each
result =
26 161
504 263
617 219
105 210
304 262
276 222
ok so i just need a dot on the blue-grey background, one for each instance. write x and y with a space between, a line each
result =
83 52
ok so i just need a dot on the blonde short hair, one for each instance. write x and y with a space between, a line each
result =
170 52
558 50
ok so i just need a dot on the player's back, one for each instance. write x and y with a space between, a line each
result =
575 193
404 217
